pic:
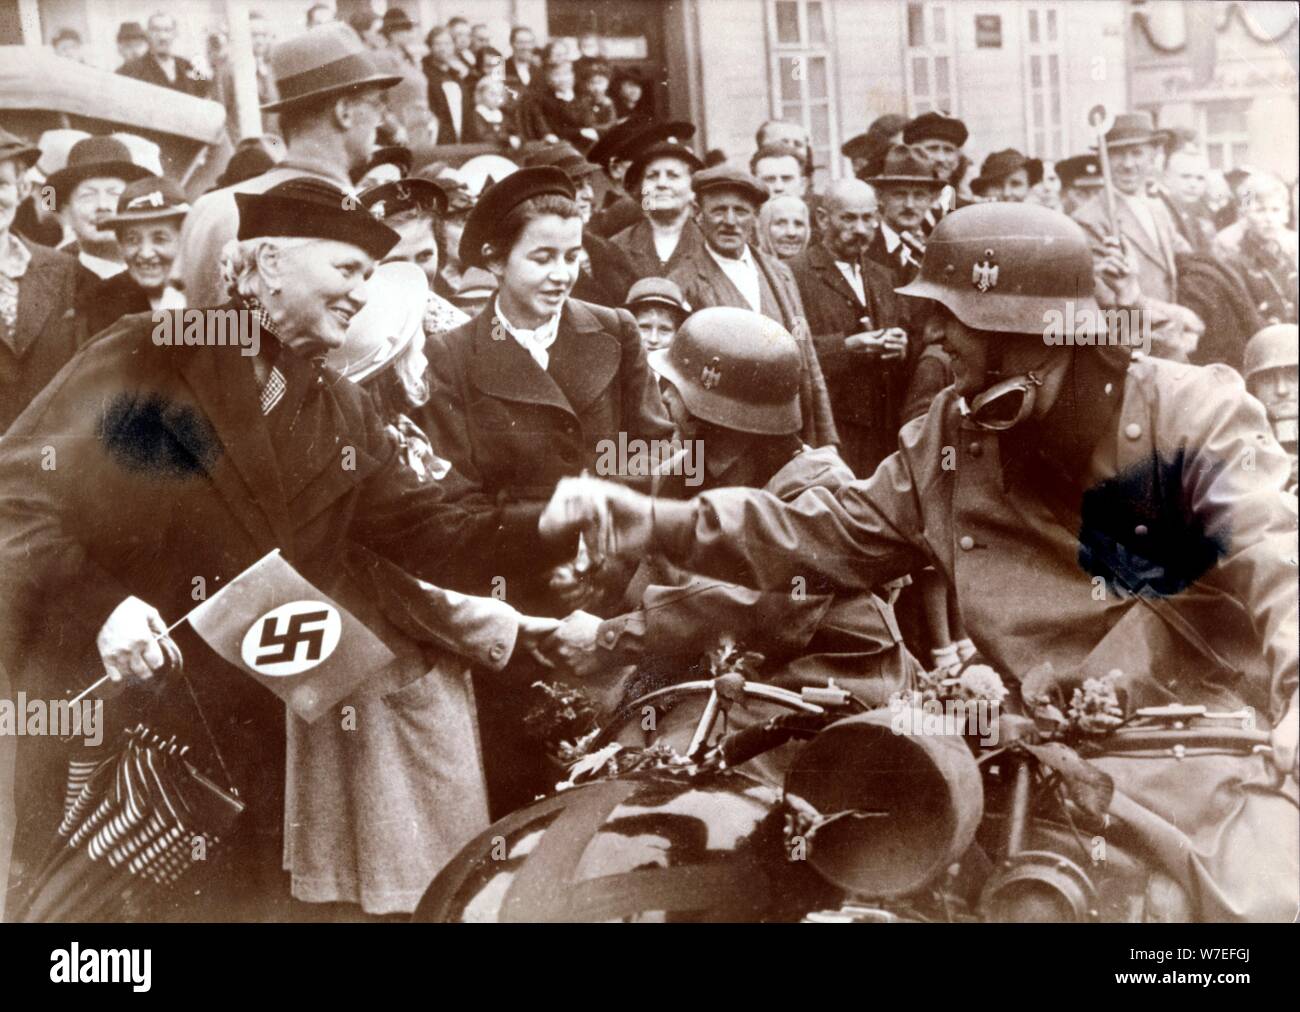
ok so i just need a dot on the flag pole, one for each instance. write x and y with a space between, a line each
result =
106 679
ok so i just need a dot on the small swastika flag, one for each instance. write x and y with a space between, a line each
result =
301 644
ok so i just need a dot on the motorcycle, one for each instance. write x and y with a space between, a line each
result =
818 808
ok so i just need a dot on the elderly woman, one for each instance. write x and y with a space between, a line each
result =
179 468
148 222
659 176
783 227
536 387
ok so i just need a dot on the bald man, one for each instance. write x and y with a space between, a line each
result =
856 323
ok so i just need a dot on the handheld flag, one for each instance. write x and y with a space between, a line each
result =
302 645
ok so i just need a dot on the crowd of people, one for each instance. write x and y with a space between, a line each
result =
479 342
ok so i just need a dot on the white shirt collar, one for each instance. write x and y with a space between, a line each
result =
536 342
746 258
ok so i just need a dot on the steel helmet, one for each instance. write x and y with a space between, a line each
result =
1275 347
735 368
1005 267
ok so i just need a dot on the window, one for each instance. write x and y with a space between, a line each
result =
930 64
1044 73
801 75
1226 128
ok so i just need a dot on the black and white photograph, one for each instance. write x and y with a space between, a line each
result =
701 461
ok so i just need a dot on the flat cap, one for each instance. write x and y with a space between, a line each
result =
724 177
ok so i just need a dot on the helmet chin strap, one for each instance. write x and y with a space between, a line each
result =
1004 405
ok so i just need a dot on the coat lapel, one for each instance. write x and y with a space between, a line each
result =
38 297
830 274
1136 232
584 359
500 367
247 474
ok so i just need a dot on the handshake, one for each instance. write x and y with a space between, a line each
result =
566 645
612 520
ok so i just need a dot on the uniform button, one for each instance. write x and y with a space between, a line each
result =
1110 389
1140 530
1132 430
976 449
966 542
497 651
609 636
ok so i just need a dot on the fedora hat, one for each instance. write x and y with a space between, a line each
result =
1133 128
614 140
151 198
562 155
1001 164
499 199
323 61
1079 170
309 208
91 158
18 150
905 163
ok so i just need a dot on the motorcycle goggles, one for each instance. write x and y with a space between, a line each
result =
1004 405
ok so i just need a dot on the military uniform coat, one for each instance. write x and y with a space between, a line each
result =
1171 481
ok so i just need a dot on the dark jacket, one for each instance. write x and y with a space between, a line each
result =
168 472
704 284
438 103
188 80
50 327
513 430
638 242
565 119
608 274
865 390
113 299
617 212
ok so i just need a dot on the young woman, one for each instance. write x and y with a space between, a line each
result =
526 393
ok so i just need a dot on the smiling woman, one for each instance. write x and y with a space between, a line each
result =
521 396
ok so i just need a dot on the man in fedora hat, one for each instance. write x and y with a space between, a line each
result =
867 151
161 66
148 228
132 43
86 191
1147 232
330 106
1007 175
727 270
907 186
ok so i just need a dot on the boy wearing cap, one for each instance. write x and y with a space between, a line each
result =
148 229
725 270
659 308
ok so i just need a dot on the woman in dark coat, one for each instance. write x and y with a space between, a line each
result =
177 468
524 394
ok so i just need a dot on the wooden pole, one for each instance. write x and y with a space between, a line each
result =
243 69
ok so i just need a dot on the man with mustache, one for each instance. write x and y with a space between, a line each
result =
856 325
86 192
727 271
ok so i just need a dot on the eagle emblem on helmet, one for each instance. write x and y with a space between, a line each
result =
985 275
711 375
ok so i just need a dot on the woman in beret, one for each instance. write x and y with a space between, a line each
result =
178 466
526 393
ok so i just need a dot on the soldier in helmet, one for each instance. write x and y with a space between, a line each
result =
731 385
1272 370
1095 509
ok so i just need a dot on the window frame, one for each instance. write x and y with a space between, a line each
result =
929 51
830 159
1044 50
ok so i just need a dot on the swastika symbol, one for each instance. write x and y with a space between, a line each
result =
293 635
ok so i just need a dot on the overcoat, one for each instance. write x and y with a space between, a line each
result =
638 242
865 391
1184 467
